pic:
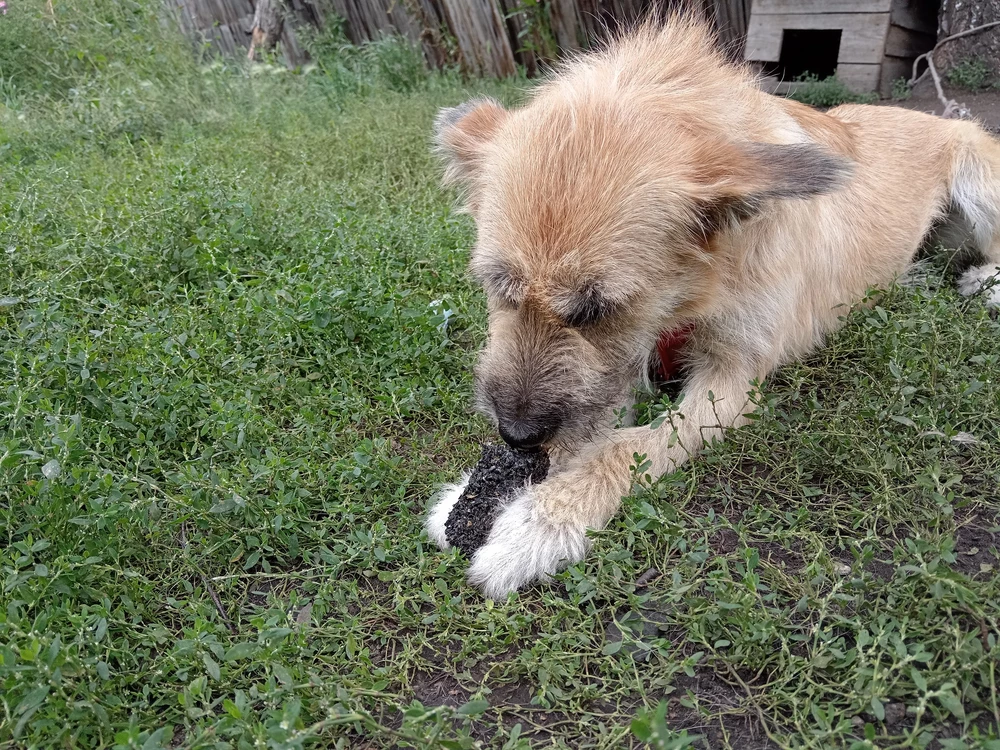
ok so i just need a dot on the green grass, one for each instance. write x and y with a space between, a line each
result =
901 90
826 92
972 74
226 366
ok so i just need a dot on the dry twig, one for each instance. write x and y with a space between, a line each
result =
208 586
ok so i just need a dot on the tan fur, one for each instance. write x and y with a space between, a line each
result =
657 178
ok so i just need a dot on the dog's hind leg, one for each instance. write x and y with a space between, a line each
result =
975 195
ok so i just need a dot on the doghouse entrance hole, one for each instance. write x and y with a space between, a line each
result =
804 51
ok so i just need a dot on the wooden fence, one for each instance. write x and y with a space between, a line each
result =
224 25
483 37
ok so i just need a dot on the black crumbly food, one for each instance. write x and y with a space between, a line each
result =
500 473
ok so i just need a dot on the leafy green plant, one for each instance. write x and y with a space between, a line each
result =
236 338
651 727
390 63
399 65
828 92
535 34
901 90
49 52
972 74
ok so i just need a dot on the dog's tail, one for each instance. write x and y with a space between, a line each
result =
974 190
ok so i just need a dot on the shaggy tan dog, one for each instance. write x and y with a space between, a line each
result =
653 185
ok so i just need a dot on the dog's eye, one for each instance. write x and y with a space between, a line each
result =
506 290
587 309
504 302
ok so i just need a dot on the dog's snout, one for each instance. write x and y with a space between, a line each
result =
526 434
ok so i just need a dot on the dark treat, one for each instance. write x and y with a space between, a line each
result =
500 473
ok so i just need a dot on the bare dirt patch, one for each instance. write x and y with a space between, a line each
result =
984 106
977 538
438 689
730 719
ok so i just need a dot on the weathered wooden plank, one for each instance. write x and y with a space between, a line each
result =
307 12
918 15
862 40
227 11
902 42
219 41
531 47
427 15
367 20
290 47
362 21
205 15
590 12
893 68
267 27
185 17
564 16
420 21
490 35
859 77
732 18
482 38
782 7
403 21
373 18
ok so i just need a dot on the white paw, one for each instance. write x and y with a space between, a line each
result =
524 547
441 505
980 278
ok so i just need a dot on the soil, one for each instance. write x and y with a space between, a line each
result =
732 722
977 546
977 539
983 106
500 473
511 704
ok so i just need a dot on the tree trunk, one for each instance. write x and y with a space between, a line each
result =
268 22
961 15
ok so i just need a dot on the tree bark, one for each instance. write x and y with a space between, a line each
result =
268 23
961 15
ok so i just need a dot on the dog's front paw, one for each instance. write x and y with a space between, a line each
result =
441 505
526 544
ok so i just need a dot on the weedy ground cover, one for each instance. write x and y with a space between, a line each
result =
235 341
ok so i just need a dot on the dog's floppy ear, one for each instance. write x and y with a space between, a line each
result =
463 133
747 175
798 170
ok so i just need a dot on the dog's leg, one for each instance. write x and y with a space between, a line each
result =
975 192
545 528
441 505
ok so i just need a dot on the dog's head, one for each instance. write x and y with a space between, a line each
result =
598 217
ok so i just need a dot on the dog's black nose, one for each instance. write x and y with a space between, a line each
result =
524 435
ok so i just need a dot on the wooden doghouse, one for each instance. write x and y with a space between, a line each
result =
867 43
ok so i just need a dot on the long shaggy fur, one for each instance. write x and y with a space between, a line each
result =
653 185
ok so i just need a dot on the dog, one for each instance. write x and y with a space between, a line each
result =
652 186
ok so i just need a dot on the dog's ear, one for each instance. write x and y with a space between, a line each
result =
462 135
799 170
745 176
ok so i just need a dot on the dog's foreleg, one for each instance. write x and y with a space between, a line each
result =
545 527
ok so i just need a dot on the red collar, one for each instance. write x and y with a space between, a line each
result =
669 347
